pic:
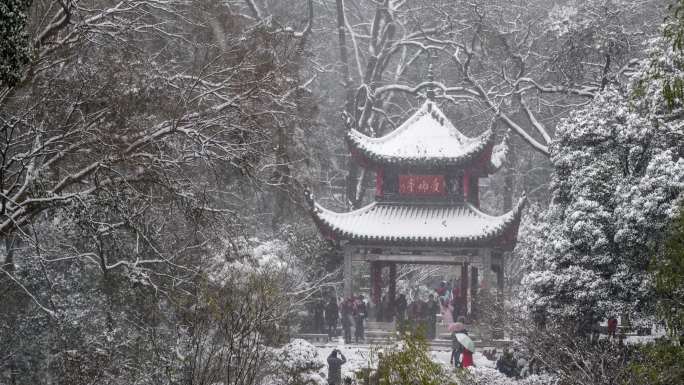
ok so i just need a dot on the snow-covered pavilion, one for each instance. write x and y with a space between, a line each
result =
426 208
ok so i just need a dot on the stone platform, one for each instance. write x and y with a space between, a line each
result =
384 334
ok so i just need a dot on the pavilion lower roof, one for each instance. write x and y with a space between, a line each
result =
417 224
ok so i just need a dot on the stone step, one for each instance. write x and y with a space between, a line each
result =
447 336
379 325
313 338
441 342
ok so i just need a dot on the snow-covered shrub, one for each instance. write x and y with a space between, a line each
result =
296 363
249 257
488 376
406 363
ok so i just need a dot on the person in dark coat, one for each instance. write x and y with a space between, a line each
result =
379 310
506 364
335 367
318 321
442 291
412 315
387 309
456 350
401 311
346 313
456 302
331 317
422 324
359 315
432 310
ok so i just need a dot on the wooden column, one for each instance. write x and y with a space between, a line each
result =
488 298
376 281
487 269
500 277
348 289
498 330
474 280
392 289
474 196
464 288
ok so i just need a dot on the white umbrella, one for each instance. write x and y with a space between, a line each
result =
464 340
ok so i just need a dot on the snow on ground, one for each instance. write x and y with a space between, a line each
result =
310 361
302 355
639 340
357 356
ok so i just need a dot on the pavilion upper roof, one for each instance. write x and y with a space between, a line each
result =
418 224
426 139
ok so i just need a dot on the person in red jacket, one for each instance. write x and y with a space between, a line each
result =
612 327
461 357
466 358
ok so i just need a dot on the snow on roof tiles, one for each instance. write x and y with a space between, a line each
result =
427 138
417 224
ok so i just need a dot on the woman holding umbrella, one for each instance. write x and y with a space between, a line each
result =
462 346
466 354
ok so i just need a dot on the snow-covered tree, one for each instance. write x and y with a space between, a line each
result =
140 138
618 177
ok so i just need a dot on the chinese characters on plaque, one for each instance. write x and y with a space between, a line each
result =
421 185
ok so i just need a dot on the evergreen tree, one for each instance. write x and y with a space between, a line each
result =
659 363
669 278
14 43
618 177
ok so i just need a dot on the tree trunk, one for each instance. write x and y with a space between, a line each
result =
509 180
355 174
344 56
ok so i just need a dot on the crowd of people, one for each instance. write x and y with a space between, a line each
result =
418 315
451 302
348 312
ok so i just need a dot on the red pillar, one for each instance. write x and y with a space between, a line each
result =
392 289
376 281
466 185
474 287
475 191
464 288
379 181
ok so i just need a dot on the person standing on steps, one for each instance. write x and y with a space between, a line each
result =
379 310
346 313
432 309
401 312
359 315
412 315
331 317
318 316
456 302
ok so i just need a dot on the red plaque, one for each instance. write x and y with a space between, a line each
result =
421 185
